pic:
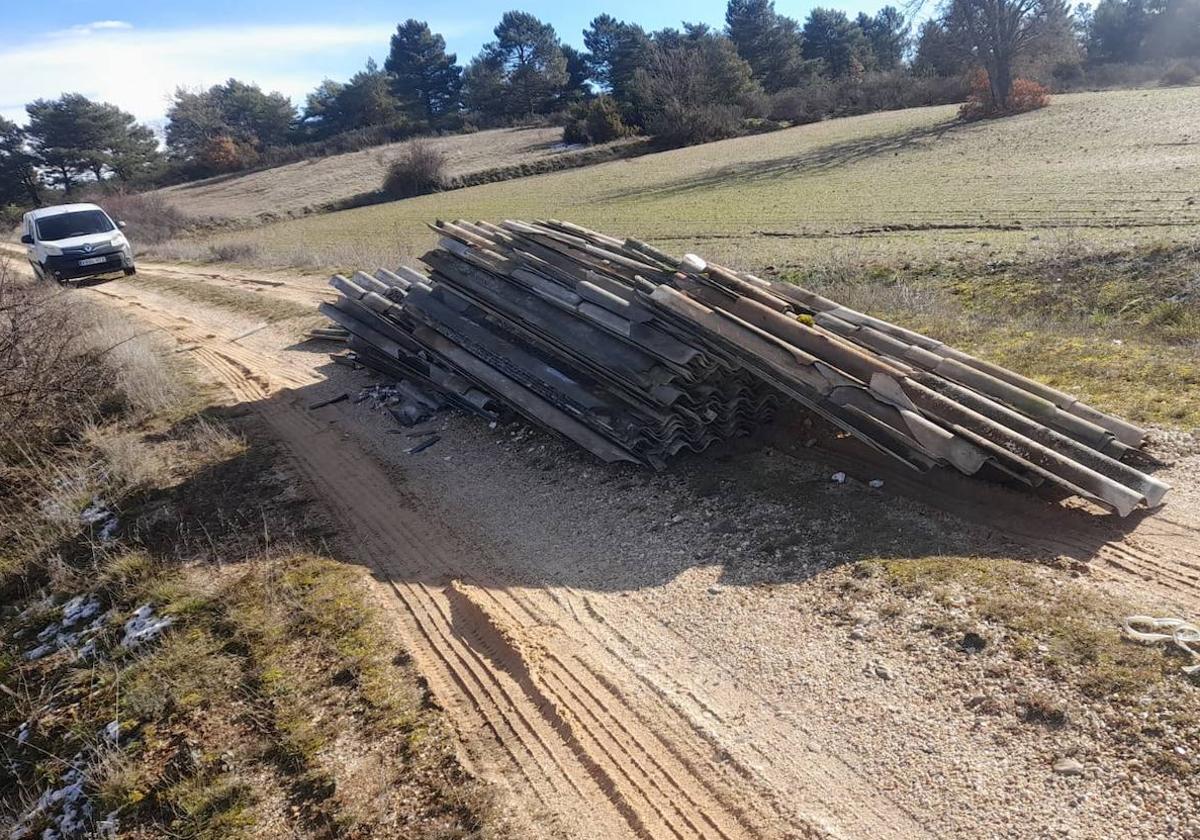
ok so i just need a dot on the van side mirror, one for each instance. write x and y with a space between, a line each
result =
26 239
121 225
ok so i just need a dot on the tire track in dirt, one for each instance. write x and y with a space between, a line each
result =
305 293
248 374
462 646
559 696
564 727
607 723
821 791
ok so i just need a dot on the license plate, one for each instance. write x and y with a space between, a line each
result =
93 260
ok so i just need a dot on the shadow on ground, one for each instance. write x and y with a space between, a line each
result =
540 512
821 159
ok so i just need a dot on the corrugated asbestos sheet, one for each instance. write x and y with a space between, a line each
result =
635 354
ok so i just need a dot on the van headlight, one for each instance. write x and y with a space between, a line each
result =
52 250
119 241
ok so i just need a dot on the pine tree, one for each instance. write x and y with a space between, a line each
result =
427 79
537 68
835 40
579 71
367 98
768 41
240 111
522 73
615 50
18 180
887 34
73 137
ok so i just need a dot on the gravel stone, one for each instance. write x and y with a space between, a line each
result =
1068 767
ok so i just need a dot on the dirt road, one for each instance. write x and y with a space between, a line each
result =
626 654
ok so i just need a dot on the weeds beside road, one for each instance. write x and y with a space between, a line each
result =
1118 329
121 488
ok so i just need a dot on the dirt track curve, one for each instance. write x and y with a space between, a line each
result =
540 681
598 720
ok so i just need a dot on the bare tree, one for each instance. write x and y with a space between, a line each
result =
997 33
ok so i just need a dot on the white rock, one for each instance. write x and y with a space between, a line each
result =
1068 767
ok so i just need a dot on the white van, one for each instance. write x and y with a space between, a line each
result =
74 241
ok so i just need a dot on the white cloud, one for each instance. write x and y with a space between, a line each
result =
138 69
95 26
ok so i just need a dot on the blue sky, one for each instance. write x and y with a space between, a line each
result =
134 53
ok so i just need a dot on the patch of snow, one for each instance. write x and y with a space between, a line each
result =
66 808
108 826
63 633
109 530
97 511
143 627
80 608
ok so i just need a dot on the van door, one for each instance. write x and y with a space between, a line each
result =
27 231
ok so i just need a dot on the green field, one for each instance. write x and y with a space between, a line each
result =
1112 169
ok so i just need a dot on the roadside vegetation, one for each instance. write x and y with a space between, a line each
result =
178 657
1120 329
247 304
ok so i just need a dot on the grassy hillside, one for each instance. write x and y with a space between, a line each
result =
291 188
1114 168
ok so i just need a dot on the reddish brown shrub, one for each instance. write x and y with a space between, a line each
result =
979 96
224 154
1025 95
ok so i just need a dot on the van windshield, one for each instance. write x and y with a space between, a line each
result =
78 223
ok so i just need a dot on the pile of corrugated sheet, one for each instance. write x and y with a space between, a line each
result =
635 354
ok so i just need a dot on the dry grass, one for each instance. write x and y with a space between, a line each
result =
274 706
51 378
1120 329
420 169
1099 169
69 371
290 189
149 382
250 304
1071 629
